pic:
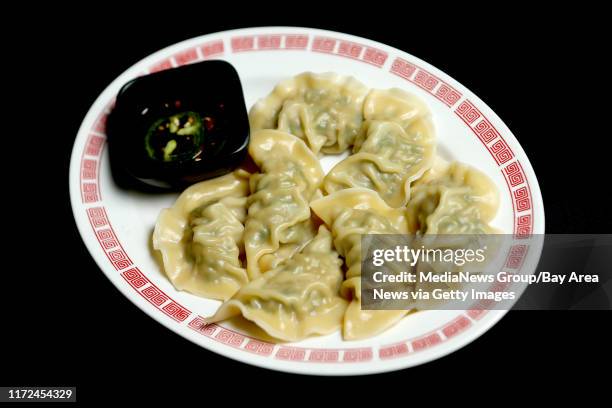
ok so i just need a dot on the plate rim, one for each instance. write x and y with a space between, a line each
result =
453 344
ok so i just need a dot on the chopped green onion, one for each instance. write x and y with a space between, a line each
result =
170 146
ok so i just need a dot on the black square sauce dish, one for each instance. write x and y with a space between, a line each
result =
176 127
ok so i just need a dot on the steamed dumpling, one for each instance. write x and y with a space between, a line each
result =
298 298
200 237
453 198
325 110
394 105
387 161
350 213
452 206
278 224
292 284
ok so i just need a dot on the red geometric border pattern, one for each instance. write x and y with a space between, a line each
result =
90 161
278 351
456 326
425 80
90 158
516 256
523 226
350 49
89 169
483 129
154 295
520 191
477 314
269 42
393 351
503 155
426 341
105 235
200 52
342 48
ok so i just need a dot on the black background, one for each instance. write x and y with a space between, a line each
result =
64 322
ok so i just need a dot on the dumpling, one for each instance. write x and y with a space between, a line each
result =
298 298
452 206
325 110
350 213
394 105
387 160
278 223
453 198
200 236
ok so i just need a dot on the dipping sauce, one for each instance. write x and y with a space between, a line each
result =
179 137
176 127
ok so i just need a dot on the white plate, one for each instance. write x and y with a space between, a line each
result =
116 225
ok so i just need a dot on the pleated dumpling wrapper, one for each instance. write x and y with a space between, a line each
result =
200 236
298 298
325 110
452 207
395 147
394 105
350 213
278 223
453 198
